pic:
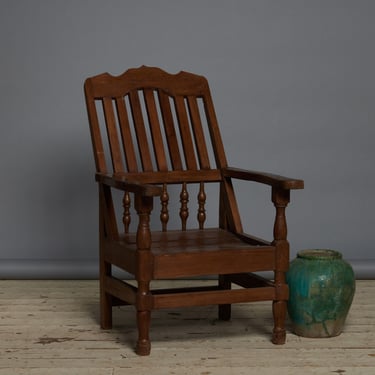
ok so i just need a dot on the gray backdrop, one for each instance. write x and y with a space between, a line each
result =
293 83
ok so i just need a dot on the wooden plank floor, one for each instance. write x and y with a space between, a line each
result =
51 327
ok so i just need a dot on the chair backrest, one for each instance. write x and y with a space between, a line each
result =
155 121
160 128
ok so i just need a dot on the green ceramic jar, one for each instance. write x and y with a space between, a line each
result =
321 290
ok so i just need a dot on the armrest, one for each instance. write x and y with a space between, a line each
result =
120 182
264 178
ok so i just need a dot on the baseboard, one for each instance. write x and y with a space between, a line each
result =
34 269
18 269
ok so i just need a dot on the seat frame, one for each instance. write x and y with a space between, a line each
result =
148 254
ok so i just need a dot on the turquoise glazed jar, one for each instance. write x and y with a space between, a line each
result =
321 290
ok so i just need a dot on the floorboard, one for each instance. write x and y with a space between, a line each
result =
51 327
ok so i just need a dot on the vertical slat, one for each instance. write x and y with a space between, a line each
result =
113 138
217 142
126 218
157 138
140 130
201 206
223 216
96 137
107 213
228 203
170 131
198 133
126 136
186 138
164 215
184 211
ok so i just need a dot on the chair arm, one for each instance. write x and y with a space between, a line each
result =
264 178
120 182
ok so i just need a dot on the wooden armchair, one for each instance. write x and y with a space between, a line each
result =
161 130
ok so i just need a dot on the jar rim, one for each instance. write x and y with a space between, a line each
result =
319 254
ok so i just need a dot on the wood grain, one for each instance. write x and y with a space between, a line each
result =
51 327
162 129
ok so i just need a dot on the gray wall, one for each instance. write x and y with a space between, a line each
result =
293 83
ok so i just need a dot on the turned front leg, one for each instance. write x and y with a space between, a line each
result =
143 205
280 199
143 322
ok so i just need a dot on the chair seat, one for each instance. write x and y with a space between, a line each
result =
194 253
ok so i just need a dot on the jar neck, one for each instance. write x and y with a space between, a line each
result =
319 254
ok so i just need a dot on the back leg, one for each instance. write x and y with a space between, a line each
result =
224 310
105 310
105 298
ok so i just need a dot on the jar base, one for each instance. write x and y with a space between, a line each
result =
328 328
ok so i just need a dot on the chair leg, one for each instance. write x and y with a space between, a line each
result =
105 298
224 310
105 310
143 322
143 319
279 315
